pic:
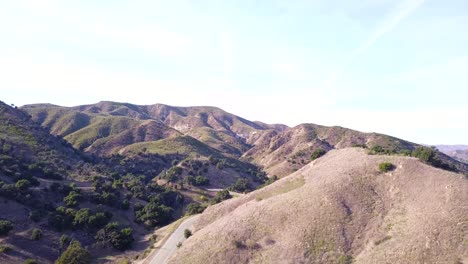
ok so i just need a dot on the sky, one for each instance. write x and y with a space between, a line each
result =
398 67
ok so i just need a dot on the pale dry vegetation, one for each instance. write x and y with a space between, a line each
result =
346 211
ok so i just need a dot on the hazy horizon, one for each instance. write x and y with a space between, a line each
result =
392 67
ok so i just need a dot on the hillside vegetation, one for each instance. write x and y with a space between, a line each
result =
53 195
102 177
112 127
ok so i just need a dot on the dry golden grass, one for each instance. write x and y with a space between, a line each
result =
346 210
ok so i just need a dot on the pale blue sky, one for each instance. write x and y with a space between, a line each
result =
395 67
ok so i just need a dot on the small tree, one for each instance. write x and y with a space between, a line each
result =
386 166
201 181
194 208
75 254
64 241
221 196
72 198
36 234
317 153
187 233
5 227
424 153
241 185
4 249
23 185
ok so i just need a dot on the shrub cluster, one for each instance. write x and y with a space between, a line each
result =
113 235
195 208
221 196
5 227
317 153
241 185
386 166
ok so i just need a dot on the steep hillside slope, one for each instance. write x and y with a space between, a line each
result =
51 193
122 123
106 128
97 133
28 149
340 209
281 153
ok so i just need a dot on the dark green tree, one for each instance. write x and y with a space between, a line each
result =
23 185
75 254
317 153
36 234
5 227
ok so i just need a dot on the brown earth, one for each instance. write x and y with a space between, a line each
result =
339 209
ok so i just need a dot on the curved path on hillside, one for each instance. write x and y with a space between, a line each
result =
231 193
170 246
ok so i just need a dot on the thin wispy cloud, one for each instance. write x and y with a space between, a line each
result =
403 10
249 59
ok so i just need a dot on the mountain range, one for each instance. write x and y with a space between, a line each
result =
108 127
106 174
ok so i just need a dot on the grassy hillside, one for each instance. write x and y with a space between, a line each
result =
28 150
282 153
339 209
109 127
52 193
83 125
144 166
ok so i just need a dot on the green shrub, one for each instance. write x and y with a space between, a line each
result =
36 234
424 154
120 239
75 254
153 213
5 227
430 156
194 208
345 259
317 154
71 200
386 166
30 261
190 180
201 181
4 249
187 233
221 196
270 180
64 241
23 185
241 185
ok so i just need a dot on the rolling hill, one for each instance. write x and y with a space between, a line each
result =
141 167
109 127
52 193
84 125
340 209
